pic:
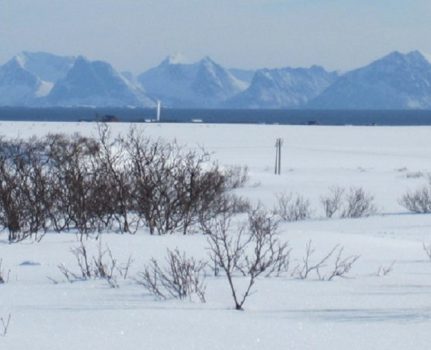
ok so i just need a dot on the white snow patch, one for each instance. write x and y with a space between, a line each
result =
44 89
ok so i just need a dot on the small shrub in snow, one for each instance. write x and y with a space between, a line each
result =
227 204
236 176
291 207
418 201
4 276
326 268
101 266
302 271
252 250
4 325
358 204
341 266
415 175
181 278
333 201
385 270
352 203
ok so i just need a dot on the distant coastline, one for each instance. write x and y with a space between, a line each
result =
293 117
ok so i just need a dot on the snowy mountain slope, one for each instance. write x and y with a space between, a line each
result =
96 84
18 86
214 84
283 88
46 66
201 84
245 75
396 81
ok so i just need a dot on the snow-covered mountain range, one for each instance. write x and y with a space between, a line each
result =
396 81
96 84
202 84
283 88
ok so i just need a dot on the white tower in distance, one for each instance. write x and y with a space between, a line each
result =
159 109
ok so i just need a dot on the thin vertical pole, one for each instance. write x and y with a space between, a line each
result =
278 145
279 156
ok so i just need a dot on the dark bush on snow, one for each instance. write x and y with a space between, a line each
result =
63 183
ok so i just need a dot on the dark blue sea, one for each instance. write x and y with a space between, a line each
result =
294 117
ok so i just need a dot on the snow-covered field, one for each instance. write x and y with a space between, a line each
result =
364 311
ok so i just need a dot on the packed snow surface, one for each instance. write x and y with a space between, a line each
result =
364 311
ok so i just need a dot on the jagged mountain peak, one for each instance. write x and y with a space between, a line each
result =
16 62
204 83
173 59
398 58
96 83
206 60
84 65
14 71
395 81
18 86
283 88
46 66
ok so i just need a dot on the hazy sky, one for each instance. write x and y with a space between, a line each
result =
138 34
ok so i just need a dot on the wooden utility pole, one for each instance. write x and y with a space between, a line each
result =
278 145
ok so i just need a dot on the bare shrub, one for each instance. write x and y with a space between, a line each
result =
303 271
237 176
414 174
4 276
385 270
427 250
225 204
4 325
25 199
333 201
173 189
339 267
78 198
418 201
181 278
253 249
89 185
238 204
358 204
113 169
101 266
292 207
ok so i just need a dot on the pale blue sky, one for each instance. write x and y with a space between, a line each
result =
138 34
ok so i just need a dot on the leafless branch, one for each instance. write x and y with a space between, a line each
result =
427 249
181 278
252 249
341 266
5 323
385 270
